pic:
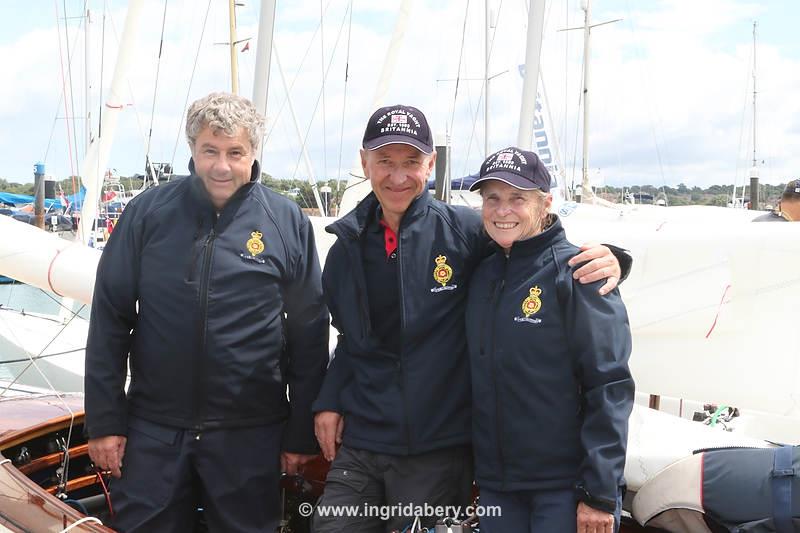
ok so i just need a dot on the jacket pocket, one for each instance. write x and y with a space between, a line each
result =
348 479
164 434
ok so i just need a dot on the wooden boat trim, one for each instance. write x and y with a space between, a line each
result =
75 484
23 435
52 459
47 506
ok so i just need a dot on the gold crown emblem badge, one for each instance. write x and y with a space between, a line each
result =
443 272
532 304
254 244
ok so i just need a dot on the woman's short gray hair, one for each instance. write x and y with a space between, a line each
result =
224 112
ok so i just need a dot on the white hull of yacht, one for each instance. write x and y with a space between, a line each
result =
42 351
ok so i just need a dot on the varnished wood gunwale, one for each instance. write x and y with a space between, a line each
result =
77 483
48 413
28 505
52 459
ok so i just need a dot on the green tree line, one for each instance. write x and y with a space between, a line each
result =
300 191
718 195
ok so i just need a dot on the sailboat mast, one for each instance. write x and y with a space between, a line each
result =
87 78
486 79
754 94
586 188
530 82
96 158
234 62
754 199
266 27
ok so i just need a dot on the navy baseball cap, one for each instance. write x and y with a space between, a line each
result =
519 168
398 124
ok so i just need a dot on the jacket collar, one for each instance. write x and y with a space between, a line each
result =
528 247
354 223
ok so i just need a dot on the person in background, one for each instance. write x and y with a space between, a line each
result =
209 288
551 388
397 392
788 206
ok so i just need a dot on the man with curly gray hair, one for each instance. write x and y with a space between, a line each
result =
209 288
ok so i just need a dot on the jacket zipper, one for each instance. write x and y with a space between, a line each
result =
402 331
498 412
199 366
358 275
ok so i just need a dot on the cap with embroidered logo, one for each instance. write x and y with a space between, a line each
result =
398 124
792 189
519 168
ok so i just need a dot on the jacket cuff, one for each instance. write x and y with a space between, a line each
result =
594 501
298 437
325 404
625 260
105 430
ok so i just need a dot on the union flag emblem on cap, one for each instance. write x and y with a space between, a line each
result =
505 156
399 119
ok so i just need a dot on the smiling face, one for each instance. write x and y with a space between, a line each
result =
511 214
222 162
398 174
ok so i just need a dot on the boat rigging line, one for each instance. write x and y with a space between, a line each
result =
287 101
64 100
484 90
322 64
32 360
179 136
37 357
69 75
751 60
326 72
294 80
149 165
449 126
344 100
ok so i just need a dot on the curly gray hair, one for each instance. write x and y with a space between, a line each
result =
224 112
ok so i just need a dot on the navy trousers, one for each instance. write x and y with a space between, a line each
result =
358 478
233 474
533 511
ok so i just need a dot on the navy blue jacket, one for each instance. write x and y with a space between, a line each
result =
551 387
230 312
418 401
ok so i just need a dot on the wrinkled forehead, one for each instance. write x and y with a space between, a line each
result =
499 186
216 134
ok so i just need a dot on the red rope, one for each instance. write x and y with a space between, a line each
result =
102 481
719 309
50 274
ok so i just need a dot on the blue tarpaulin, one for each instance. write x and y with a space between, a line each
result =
456 184
18 200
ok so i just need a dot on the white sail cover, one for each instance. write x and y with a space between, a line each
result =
36 257
711 297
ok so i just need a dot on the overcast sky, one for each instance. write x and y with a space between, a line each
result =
671 84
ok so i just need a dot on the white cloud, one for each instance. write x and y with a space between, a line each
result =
669 85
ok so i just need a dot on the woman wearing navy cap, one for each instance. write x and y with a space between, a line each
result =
551 390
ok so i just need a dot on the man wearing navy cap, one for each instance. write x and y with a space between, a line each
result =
395 282
788 206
